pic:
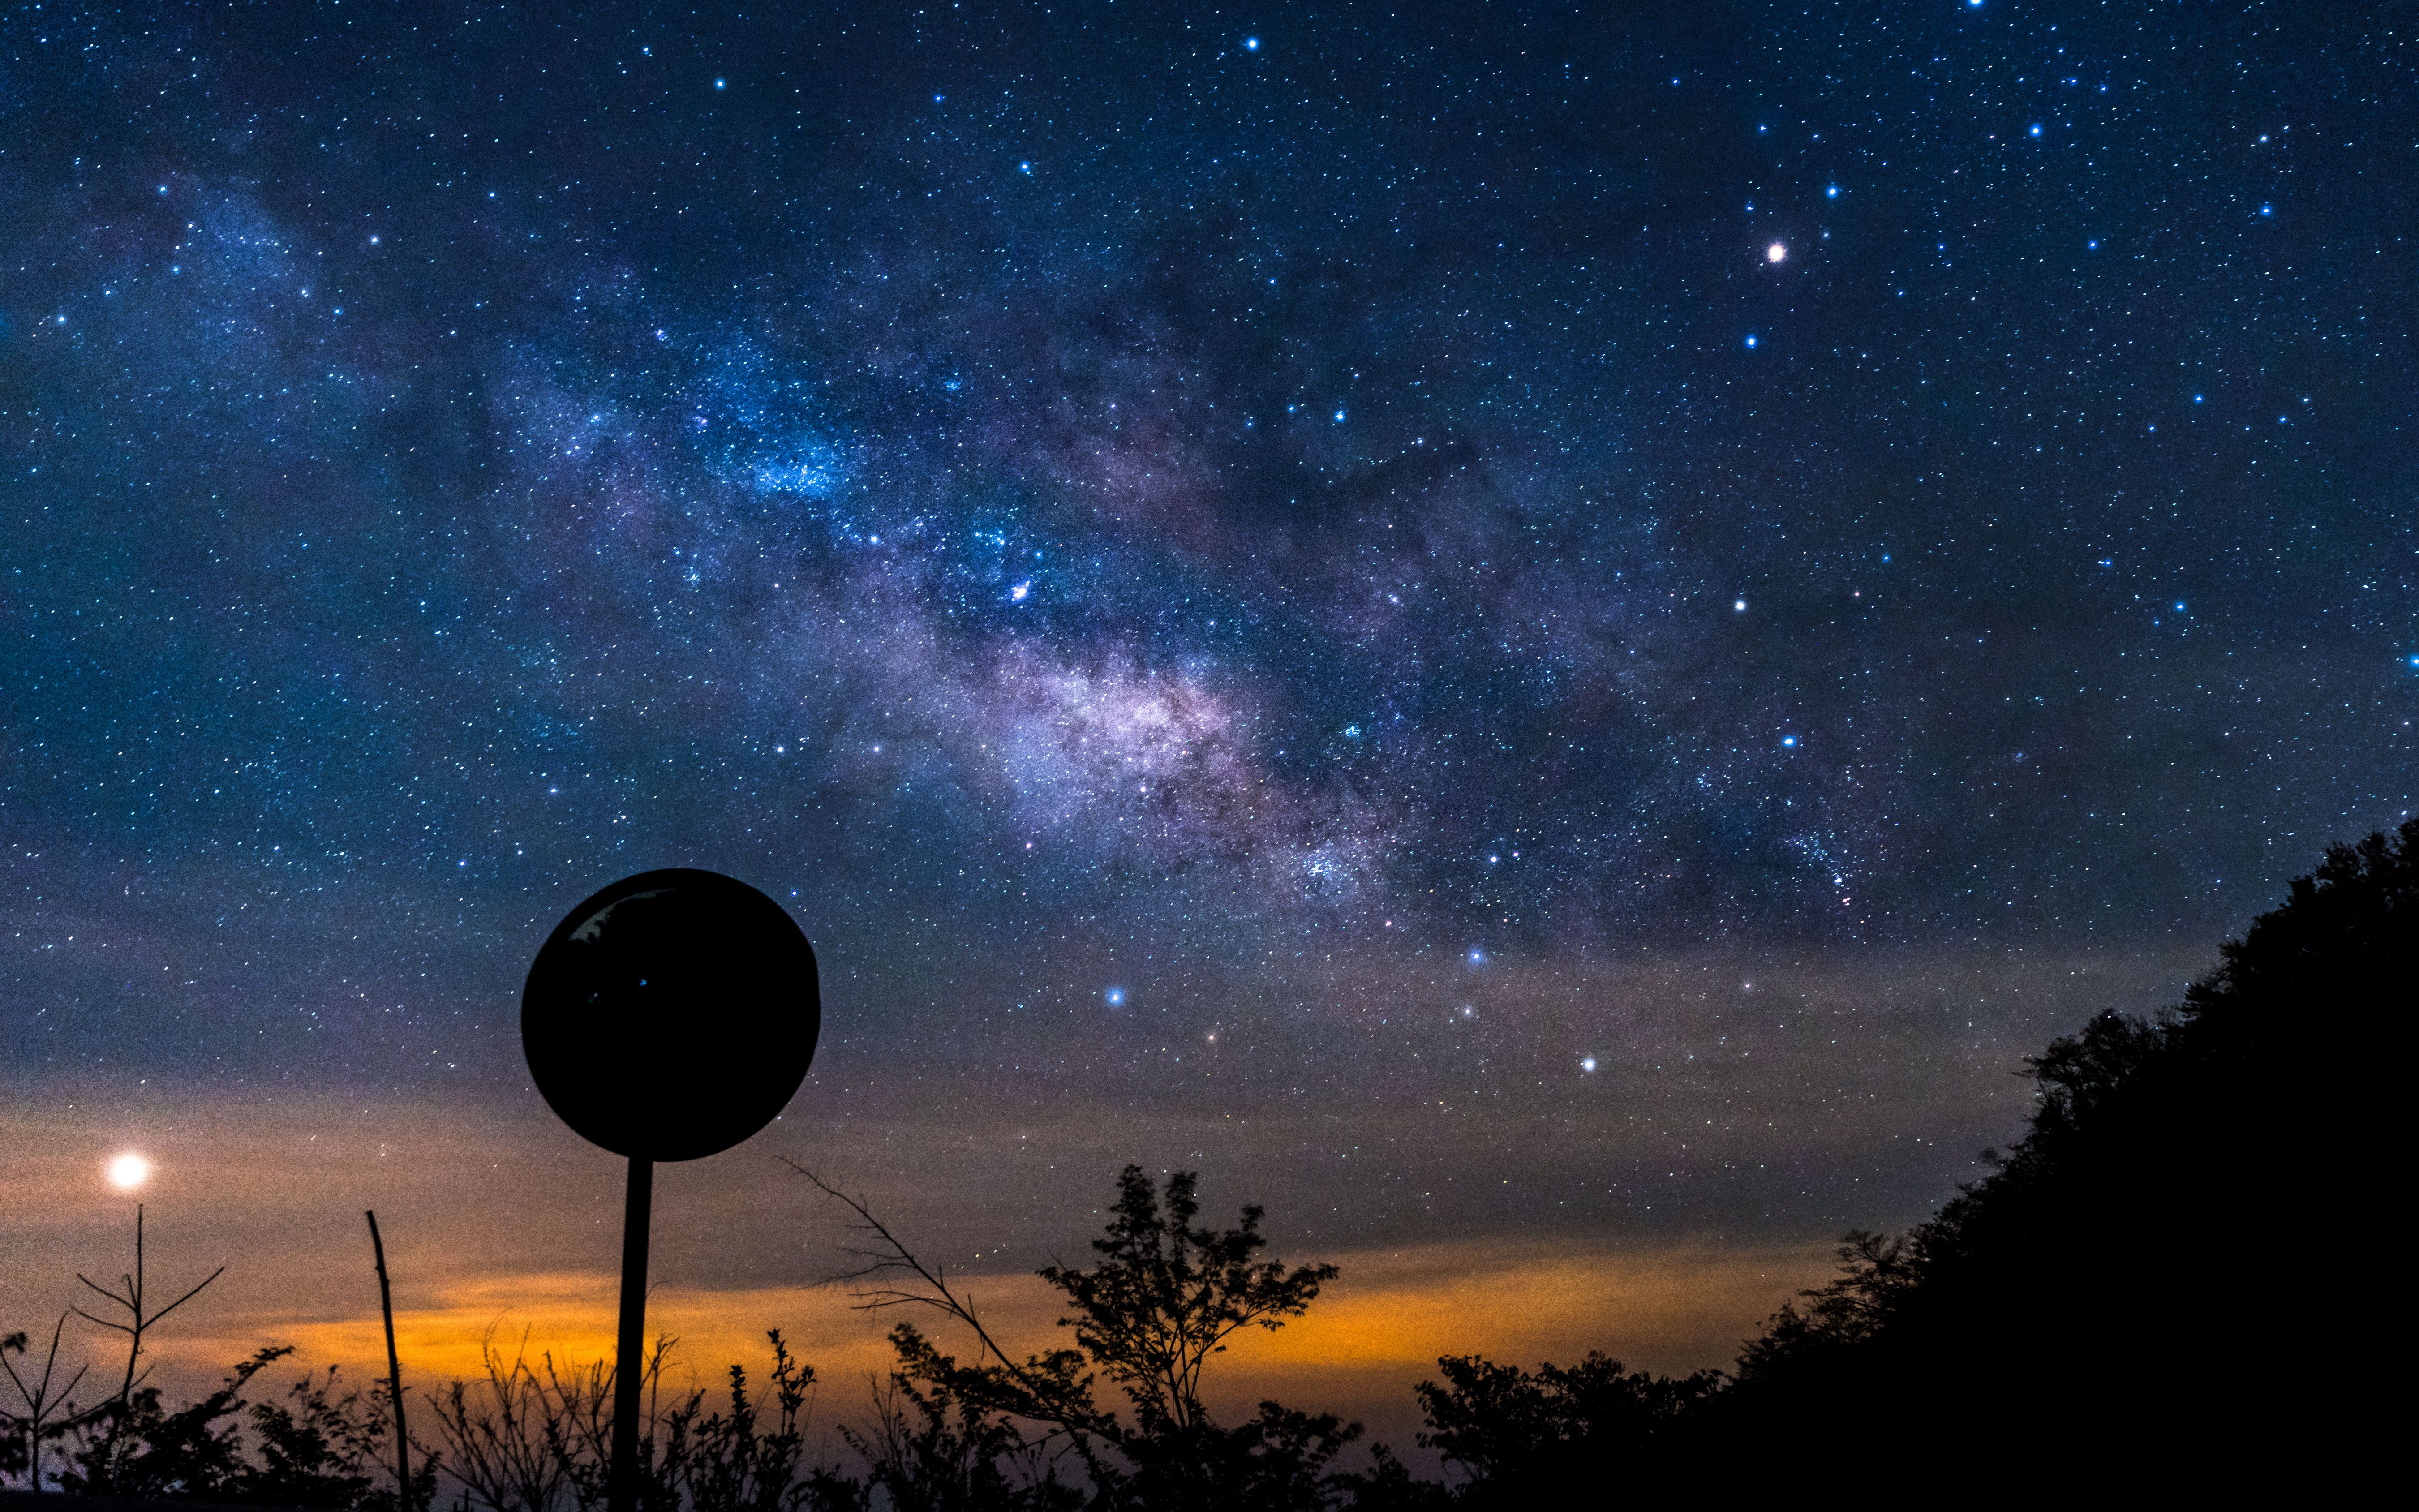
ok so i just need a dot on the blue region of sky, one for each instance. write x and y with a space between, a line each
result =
1384 566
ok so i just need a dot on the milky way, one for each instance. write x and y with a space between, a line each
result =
1370 573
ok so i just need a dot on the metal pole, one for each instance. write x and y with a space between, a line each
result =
394 1374
621 1487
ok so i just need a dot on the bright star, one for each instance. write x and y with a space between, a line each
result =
2036 131
1251 44
1832 192
1788 740
1587 1062
1775 253
1477 956
1116 997
1019 592
129 1171
1750 341
1739 604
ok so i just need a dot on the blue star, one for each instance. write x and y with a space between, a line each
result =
1115 997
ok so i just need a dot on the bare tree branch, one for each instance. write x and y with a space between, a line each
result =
132 1301
894 1257
1057 1401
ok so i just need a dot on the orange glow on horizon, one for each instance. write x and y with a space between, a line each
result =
1371 1335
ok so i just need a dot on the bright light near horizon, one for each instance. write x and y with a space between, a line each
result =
129 1171
1776 252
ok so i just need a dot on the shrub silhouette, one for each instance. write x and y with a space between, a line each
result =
949 1455
539 1438
1162 1298
47 1406
320 1448
1556 1434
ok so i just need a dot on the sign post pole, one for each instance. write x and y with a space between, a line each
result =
629 1349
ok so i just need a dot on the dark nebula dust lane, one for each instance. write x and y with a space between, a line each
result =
1508 623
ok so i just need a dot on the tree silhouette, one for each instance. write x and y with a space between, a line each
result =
1163 1297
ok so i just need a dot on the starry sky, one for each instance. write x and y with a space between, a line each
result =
1527 634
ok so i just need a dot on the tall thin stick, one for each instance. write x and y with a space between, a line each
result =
394 1374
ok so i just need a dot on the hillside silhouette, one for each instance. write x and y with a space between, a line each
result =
2155 1272
2157 1284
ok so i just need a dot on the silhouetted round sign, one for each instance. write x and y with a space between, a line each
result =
671 1015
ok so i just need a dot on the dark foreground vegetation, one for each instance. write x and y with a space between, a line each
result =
2144 1281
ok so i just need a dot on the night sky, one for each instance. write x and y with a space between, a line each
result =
1536 637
